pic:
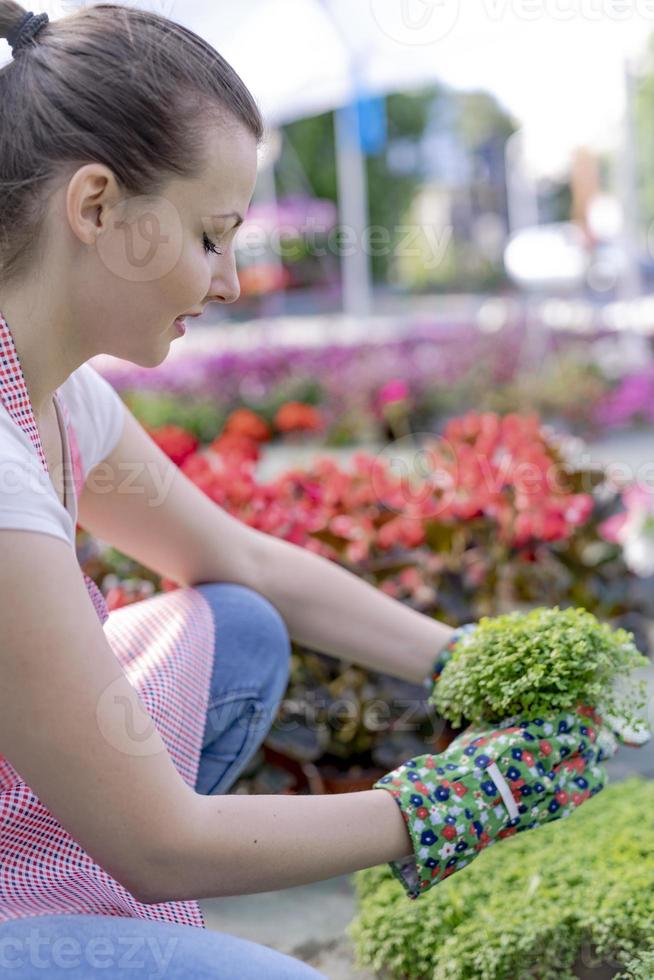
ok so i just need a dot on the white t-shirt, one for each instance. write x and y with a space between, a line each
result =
28 500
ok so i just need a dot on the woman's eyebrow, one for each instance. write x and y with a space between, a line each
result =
231 214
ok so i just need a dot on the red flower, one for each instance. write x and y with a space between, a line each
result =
504 469
236 444
244 422
176 442
116 598
296 416
258 279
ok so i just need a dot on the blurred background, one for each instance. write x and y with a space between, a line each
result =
451 245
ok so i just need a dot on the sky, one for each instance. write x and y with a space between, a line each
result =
556 65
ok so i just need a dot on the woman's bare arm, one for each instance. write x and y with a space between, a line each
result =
71 724
239 844
74 728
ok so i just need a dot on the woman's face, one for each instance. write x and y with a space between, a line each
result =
157 258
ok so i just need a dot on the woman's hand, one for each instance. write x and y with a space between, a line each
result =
491 783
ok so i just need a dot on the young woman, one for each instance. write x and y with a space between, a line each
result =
127 160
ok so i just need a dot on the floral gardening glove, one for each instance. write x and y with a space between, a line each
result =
491 783
446 654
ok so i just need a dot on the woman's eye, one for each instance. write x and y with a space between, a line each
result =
210 246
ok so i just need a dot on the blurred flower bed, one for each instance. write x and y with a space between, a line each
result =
502 513
631 401
582 384
284 245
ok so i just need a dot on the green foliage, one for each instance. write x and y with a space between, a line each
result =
202 418
308 152
539 662
640 968
580 892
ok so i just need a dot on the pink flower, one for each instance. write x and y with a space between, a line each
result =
634 529
393 391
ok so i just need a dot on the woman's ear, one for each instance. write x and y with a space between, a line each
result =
91 194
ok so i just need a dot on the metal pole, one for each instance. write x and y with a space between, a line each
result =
521 195
352 182
353 212
275 304
630 285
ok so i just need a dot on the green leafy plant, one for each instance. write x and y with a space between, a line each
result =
640 968
540 662
552 904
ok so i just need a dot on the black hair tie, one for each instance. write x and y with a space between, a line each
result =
26 30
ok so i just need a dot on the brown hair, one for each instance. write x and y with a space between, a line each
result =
109 84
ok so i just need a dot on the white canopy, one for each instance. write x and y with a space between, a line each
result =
557 65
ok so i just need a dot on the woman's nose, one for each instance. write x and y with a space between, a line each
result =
225 287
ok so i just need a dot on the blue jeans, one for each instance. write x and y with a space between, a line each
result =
250 675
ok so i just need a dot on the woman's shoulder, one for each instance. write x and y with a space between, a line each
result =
27 498
96 413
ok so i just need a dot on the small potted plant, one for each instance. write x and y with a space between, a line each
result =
543 662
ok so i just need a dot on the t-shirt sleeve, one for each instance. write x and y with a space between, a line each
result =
98 413
28 501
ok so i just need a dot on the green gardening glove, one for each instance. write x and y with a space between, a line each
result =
446 654
493 782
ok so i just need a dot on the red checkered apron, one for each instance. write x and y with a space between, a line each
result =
165 645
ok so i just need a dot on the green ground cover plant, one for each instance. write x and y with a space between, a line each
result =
578 891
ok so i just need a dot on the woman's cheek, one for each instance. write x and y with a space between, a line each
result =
144 243
191 278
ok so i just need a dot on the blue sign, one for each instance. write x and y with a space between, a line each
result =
371 113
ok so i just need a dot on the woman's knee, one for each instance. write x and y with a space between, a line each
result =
255 627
